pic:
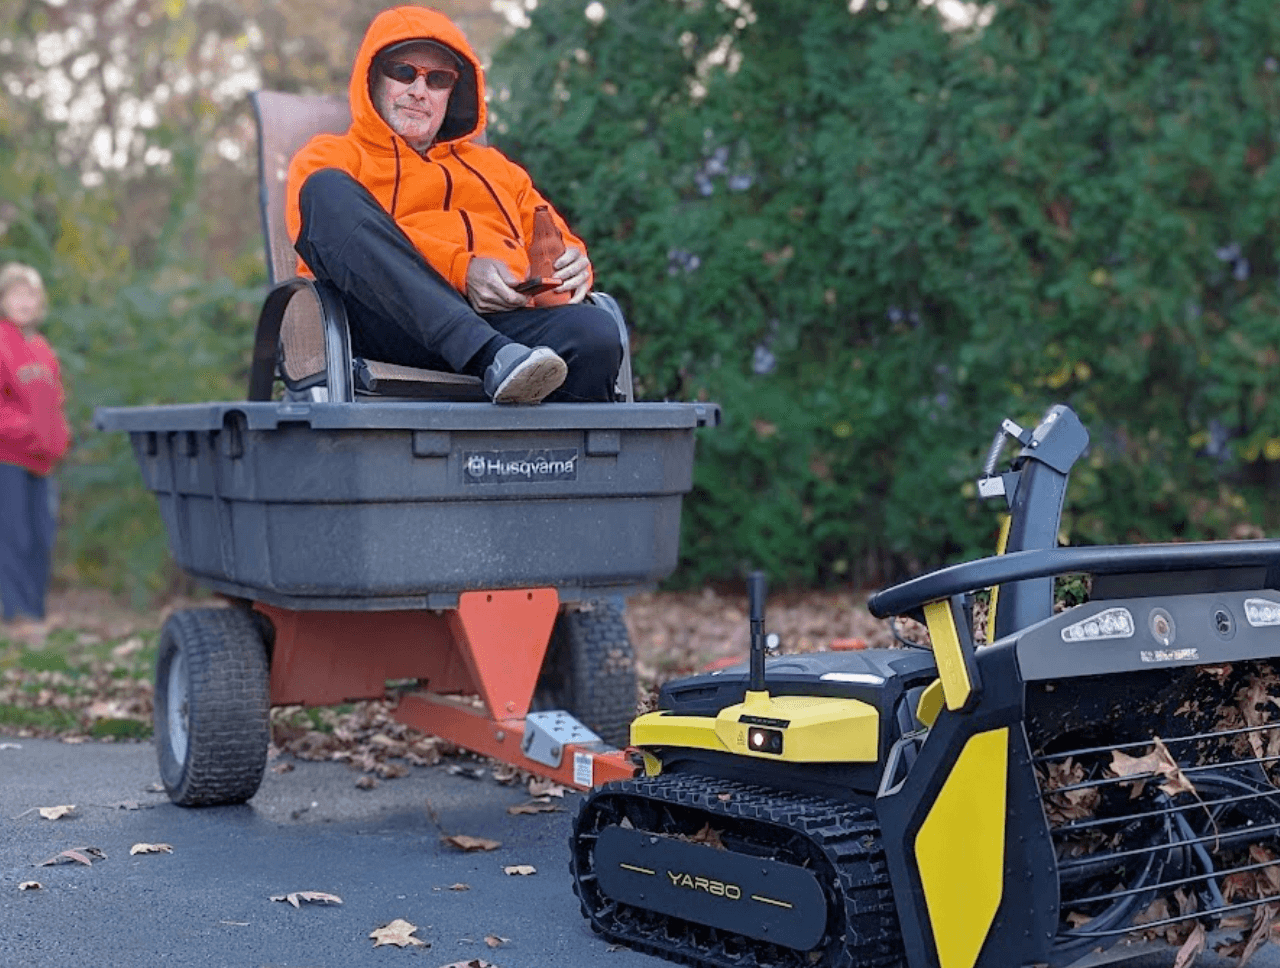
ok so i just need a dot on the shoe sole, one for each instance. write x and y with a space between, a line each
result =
532 380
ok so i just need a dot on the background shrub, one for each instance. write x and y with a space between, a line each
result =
870 237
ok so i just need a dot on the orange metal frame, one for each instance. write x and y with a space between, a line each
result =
477 664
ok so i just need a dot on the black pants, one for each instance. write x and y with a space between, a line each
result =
401 310
27 529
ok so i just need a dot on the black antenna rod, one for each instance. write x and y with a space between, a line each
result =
757 589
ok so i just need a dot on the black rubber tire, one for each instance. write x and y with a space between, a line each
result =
212 748
590 670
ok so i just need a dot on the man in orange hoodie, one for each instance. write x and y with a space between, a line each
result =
426 232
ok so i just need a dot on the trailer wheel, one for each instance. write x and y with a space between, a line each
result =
212 706
590 670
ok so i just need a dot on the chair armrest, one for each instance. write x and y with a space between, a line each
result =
610 305
337 339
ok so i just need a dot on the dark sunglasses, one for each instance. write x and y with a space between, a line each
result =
438 78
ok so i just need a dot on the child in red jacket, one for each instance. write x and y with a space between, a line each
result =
33 437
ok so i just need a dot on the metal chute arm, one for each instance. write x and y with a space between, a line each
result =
1097 560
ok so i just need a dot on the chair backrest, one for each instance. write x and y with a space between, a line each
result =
286 122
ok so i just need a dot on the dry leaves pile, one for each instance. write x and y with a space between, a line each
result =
367 738
1254 704
115 688
678 633
99 678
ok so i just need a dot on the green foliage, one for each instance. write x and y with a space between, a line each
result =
127 331
870 238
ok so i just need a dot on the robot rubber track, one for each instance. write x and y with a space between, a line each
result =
658 829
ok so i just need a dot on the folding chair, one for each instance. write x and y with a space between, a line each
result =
302 334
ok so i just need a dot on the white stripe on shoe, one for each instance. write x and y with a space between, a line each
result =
537 375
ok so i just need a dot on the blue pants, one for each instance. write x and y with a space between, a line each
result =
27 527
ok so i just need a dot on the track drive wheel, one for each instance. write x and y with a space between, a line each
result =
212 706
590 670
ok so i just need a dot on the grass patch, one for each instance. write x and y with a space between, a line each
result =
43 719
78 682
120 729
44 660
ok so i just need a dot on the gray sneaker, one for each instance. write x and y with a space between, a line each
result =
522 375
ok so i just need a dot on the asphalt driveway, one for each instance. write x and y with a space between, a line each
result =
208 903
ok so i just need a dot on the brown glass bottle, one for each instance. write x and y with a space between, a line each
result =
546 246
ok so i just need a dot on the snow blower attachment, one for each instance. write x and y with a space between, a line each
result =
1099 776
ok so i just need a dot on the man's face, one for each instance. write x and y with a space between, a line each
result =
414 111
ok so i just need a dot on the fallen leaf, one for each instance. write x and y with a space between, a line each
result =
1159 762
107 709
470 772
282 768
155 788
310 897
75 740
459 887
126 648
54 813
493 941
150 849
1157 910
503 773
708 836
534 806
366 783
1263 918
30 886
463 842
539 787
1191 948
76 855
521 870
398 933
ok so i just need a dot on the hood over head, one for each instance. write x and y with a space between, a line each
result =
465 117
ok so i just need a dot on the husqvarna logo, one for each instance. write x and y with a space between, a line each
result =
507 466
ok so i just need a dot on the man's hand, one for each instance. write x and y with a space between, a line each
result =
573 269
489 283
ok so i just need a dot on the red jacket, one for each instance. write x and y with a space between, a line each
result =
33 430
457 200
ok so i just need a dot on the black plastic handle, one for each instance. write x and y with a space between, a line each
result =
1097 560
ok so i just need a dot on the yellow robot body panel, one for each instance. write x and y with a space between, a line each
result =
793 729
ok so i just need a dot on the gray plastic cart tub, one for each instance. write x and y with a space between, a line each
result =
404 505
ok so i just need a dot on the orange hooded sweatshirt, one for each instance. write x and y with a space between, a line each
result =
458 199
